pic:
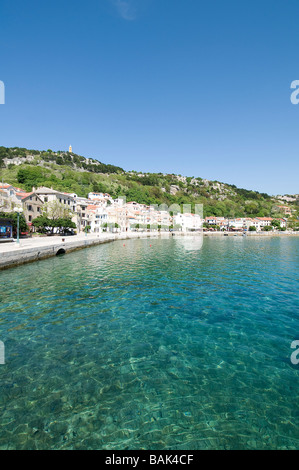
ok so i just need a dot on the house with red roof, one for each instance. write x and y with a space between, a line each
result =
265 221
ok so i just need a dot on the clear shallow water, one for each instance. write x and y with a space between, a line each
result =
160 347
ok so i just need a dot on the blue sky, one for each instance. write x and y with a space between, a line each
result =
193 87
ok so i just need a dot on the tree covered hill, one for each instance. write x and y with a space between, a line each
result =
73 173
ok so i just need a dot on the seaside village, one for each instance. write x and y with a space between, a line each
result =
101 213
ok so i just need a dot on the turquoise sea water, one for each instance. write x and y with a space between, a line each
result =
153 347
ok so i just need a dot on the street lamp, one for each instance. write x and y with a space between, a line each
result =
19 211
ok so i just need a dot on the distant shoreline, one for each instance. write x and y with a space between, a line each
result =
252 234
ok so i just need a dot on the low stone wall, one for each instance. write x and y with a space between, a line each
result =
30 254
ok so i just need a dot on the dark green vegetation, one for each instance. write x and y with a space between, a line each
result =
73 173
45 224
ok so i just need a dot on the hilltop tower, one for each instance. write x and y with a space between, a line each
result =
70 149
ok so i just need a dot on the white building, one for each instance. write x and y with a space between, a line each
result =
188 222
265 221
10 197
50 195
283 222
102 199
82 216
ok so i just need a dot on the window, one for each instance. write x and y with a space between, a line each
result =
46 199
30 218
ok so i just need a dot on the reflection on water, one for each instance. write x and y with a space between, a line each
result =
152 345
190 243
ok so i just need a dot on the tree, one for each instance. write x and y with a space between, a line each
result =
252 208
31 176
44 224
55 215
59 161
55 210
64 225
276 223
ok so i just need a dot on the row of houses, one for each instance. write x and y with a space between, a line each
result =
134 216
32 203
100 212
241 224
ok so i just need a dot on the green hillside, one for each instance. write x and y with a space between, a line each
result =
73 173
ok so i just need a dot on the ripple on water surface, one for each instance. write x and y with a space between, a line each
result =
152 347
